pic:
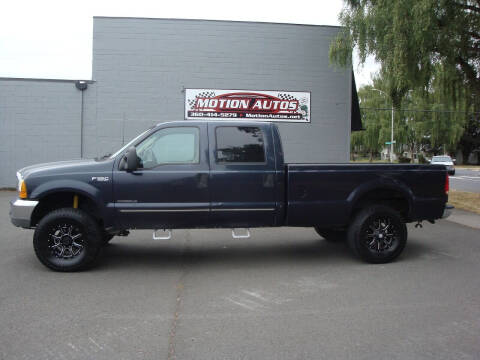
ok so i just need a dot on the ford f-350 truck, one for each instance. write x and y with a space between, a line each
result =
220 174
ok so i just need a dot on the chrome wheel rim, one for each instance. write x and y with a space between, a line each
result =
66 241
381 235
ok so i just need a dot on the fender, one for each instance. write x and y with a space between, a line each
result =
381 183
69 185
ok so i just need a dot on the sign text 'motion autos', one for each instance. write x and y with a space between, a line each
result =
247 104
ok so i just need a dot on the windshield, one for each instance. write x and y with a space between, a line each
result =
127 145
441 159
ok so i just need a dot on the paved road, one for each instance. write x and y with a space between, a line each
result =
466 180
284 294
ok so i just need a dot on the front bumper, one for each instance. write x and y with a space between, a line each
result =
21 212
447 211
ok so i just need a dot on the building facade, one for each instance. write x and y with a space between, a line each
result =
143 70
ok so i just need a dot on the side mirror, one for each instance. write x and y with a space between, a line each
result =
130 160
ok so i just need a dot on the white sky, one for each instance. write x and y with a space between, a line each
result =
53 39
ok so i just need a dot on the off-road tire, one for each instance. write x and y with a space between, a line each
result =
360 235
91 239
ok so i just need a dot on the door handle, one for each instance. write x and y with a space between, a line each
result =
268 181
202 180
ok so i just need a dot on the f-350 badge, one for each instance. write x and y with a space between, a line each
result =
100 178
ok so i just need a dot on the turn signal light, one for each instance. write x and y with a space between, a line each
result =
447 185
23 190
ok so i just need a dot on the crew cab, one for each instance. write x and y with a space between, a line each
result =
220 174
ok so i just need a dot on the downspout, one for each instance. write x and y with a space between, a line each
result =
82 86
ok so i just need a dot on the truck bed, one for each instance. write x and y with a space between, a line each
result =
326 194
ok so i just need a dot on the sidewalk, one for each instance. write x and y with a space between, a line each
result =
466 167
466 218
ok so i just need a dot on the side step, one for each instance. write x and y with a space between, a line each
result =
244 235
168 235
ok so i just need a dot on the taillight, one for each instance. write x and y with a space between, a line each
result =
447 184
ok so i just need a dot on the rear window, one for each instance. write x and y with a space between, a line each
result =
239 144
441 158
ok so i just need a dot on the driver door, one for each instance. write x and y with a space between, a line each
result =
170 188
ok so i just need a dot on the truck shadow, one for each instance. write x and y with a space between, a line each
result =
248 255
318 251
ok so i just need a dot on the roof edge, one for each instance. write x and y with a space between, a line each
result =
210 20
46 80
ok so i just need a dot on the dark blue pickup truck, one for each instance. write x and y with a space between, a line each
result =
220 174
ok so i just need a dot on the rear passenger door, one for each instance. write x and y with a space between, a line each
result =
242 175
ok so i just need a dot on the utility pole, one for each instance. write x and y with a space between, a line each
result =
391 139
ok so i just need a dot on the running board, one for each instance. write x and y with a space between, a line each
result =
165 237
246 235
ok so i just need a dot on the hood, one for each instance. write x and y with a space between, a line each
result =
62 167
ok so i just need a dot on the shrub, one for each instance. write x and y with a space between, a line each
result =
404 160
421 159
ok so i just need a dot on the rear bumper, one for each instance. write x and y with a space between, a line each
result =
21 212
447 211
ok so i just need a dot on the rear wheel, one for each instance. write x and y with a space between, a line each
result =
67 240
332 235
377 234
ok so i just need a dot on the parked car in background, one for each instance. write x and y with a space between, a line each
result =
444 160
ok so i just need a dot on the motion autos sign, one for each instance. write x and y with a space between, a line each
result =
287 106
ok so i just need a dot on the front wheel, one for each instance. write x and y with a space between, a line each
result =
67 240
377 234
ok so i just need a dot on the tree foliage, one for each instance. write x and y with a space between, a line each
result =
421 45
408 37
428 122
370 141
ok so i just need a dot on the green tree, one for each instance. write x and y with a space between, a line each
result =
441 123
426 121
408 37
412 40
370 141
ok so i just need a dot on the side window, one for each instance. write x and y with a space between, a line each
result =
239 144
178 145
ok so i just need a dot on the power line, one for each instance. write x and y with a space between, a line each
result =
422 110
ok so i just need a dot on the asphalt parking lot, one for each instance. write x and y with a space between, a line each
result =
283 294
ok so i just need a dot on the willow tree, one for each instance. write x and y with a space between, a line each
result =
371 140
410 39
443 121
426 121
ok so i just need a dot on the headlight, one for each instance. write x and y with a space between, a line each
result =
22 188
